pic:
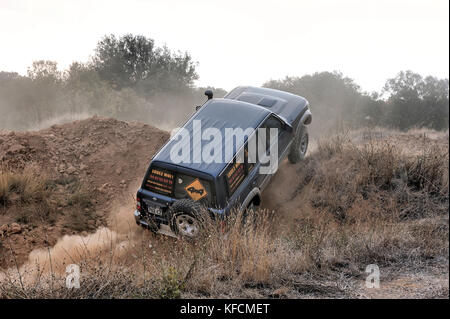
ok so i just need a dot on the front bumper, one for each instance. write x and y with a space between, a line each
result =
158 228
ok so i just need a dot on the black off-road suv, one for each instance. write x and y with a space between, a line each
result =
179 181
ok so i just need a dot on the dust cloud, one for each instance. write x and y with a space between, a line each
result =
105 244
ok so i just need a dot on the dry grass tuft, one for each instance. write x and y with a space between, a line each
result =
79 210
22 187
26 195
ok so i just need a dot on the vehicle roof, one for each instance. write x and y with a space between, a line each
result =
218 114
284 104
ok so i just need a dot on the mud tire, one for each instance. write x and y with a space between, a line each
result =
299 146
186 218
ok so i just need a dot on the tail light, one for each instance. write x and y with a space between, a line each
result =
223 226
138 204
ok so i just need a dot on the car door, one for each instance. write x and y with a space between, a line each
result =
281 142
241 179
235 177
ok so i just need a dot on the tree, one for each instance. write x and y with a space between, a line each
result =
45 92
134 61
417 101
44 70
334 98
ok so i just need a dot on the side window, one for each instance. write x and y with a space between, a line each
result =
234 175
271 122
237 172
250 163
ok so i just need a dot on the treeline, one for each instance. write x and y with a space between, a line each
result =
406 101
130 78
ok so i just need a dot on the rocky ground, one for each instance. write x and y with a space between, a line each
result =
98 157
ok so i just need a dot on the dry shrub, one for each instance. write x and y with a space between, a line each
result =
26 195
79 210
235 252
22 187
429 171
243 247
378 164
171 284
362 198
326 244
329 146
106 260
96 281
378 168
35 213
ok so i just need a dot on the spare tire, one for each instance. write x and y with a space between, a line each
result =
186 218
299 145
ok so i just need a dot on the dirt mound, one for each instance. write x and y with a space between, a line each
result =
97 150
92 163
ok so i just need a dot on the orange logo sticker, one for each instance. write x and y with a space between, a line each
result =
196 190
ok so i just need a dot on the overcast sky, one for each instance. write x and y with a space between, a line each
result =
241 42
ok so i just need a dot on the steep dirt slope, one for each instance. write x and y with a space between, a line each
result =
93 160
97 150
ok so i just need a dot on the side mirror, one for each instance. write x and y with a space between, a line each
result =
209 94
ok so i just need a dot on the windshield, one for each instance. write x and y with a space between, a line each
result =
178 185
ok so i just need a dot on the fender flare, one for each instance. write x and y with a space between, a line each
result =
306 118
254 192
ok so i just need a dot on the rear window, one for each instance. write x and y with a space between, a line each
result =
190 187
179 186
160 181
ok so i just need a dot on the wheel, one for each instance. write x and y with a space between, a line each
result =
187 225
299 146
186 219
